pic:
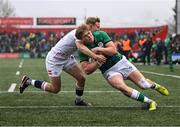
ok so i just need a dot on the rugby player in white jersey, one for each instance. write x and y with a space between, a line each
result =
60 59
116 68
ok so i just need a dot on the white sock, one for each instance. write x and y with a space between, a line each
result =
147 100
134 94
43 87
145 84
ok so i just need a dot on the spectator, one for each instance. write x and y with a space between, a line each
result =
126 46
146 50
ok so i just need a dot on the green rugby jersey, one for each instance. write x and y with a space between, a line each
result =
100 40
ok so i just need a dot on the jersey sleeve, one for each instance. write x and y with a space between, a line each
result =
105 37
101 38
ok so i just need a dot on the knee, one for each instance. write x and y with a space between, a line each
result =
56 90
81 78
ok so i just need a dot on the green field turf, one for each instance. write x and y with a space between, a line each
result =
110 107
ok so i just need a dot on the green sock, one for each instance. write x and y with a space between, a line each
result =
140 97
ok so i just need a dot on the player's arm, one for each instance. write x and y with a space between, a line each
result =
108 50
85 50
89 67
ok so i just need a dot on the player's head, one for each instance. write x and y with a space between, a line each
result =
84 34
93 23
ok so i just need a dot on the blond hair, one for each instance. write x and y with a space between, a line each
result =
92 20
81 30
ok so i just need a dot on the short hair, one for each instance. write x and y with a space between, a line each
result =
92 20
81 30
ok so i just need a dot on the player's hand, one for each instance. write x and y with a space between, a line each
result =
96 50
100 58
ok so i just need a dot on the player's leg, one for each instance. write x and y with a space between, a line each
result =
117 82
144 83
53 87
75 71
128 70
54 71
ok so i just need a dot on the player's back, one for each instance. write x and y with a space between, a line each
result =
65 46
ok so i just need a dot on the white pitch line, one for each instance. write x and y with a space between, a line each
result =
12 87
20 66
18 73
65 91
43 106
161 74
21 63
154 73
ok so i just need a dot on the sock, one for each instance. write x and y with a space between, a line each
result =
145 84
154 85
139 96
38 84
79 93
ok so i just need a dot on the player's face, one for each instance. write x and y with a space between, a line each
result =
88 37
95 27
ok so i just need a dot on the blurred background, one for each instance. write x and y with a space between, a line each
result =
144 31
147 32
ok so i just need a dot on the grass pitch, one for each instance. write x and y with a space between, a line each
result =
110 107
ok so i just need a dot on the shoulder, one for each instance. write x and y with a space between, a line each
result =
70 35
99 33
72 32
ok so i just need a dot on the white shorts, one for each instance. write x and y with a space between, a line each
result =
123 67
54 66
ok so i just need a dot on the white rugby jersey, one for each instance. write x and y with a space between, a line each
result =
65 46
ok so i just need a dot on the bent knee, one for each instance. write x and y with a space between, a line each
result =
56 90
81 78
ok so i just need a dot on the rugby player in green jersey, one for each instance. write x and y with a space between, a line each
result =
116 68
60 58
